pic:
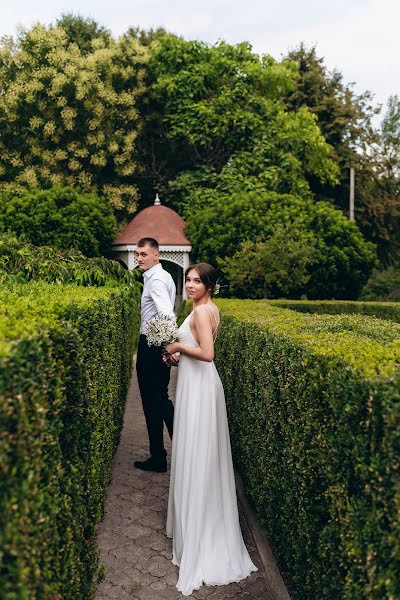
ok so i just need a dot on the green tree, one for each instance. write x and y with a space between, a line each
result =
378 188
341 259
83 32
60 217
383 285
378 212
344 118
390 143
147 37
220 109
278 267
68 114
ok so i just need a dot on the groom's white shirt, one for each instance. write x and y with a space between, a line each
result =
158 295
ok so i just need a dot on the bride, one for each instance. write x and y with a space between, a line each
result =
202 509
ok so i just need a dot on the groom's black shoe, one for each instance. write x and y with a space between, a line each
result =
151 465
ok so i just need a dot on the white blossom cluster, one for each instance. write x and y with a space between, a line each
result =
161 329
70 117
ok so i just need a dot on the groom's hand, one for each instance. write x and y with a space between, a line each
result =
175 357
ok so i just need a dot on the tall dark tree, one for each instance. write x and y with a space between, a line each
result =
379 188
344 118
147 37
390 143
83 31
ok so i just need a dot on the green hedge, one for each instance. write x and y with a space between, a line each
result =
314 412
381 310
183 310
65 363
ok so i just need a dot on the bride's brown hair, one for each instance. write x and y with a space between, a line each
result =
207 274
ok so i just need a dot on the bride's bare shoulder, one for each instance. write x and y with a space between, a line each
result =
210 309
207 306
214 307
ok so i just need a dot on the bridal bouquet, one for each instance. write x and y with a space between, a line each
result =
161 329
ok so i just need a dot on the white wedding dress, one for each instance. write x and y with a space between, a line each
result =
202 510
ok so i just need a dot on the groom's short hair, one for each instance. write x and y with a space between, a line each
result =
148 241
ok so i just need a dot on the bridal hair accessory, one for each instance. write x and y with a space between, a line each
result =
217 288
161 329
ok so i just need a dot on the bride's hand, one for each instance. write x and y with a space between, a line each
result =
172 348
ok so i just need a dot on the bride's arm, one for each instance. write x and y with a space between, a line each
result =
205 350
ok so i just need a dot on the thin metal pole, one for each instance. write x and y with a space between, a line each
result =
352 178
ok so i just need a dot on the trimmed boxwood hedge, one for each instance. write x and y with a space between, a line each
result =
314 413
65 364
381 310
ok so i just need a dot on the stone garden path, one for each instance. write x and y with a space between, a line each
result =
132 541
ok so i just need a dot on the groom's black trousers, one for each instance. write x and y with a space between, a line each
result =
153 377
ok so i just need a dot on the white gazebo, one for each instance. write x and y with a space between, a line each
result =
167 227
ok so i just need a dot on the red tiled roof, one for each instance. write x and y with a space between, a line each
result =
157 221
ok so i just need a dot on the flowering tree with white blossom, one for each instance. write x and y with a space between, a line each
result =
68 116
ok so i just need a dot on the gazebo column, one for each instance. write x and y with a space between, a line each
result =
131 260
185 266
179 284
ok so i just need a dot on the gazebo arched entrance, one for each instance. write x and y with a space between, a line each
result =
176 273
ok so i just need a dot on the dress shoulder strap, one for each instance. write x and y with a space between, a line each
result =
216 321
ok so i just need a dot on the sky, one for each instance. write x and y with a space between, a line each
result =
360 38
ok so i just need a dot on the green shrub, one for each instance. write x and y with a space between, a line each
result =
23 262
341 258
60 217
277 268
383 285
381 310
65 364
183 310
314 413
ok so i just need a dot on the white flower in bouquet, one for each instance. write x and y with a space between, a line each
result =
161 329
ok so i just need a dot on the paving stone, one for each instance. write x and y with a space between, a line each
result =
132 541
108 540
112 563
159 566
139 578
158 586
158 505
129 578
132 553
133 531
172 578
157 490
154 520
119 506
114 521
109 590
156 541
136 498
204 592
149 594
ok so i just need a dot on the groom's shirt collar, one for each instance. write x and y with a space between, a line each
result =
150 272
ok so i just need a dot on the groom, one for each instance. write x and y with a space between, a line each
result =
158 297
